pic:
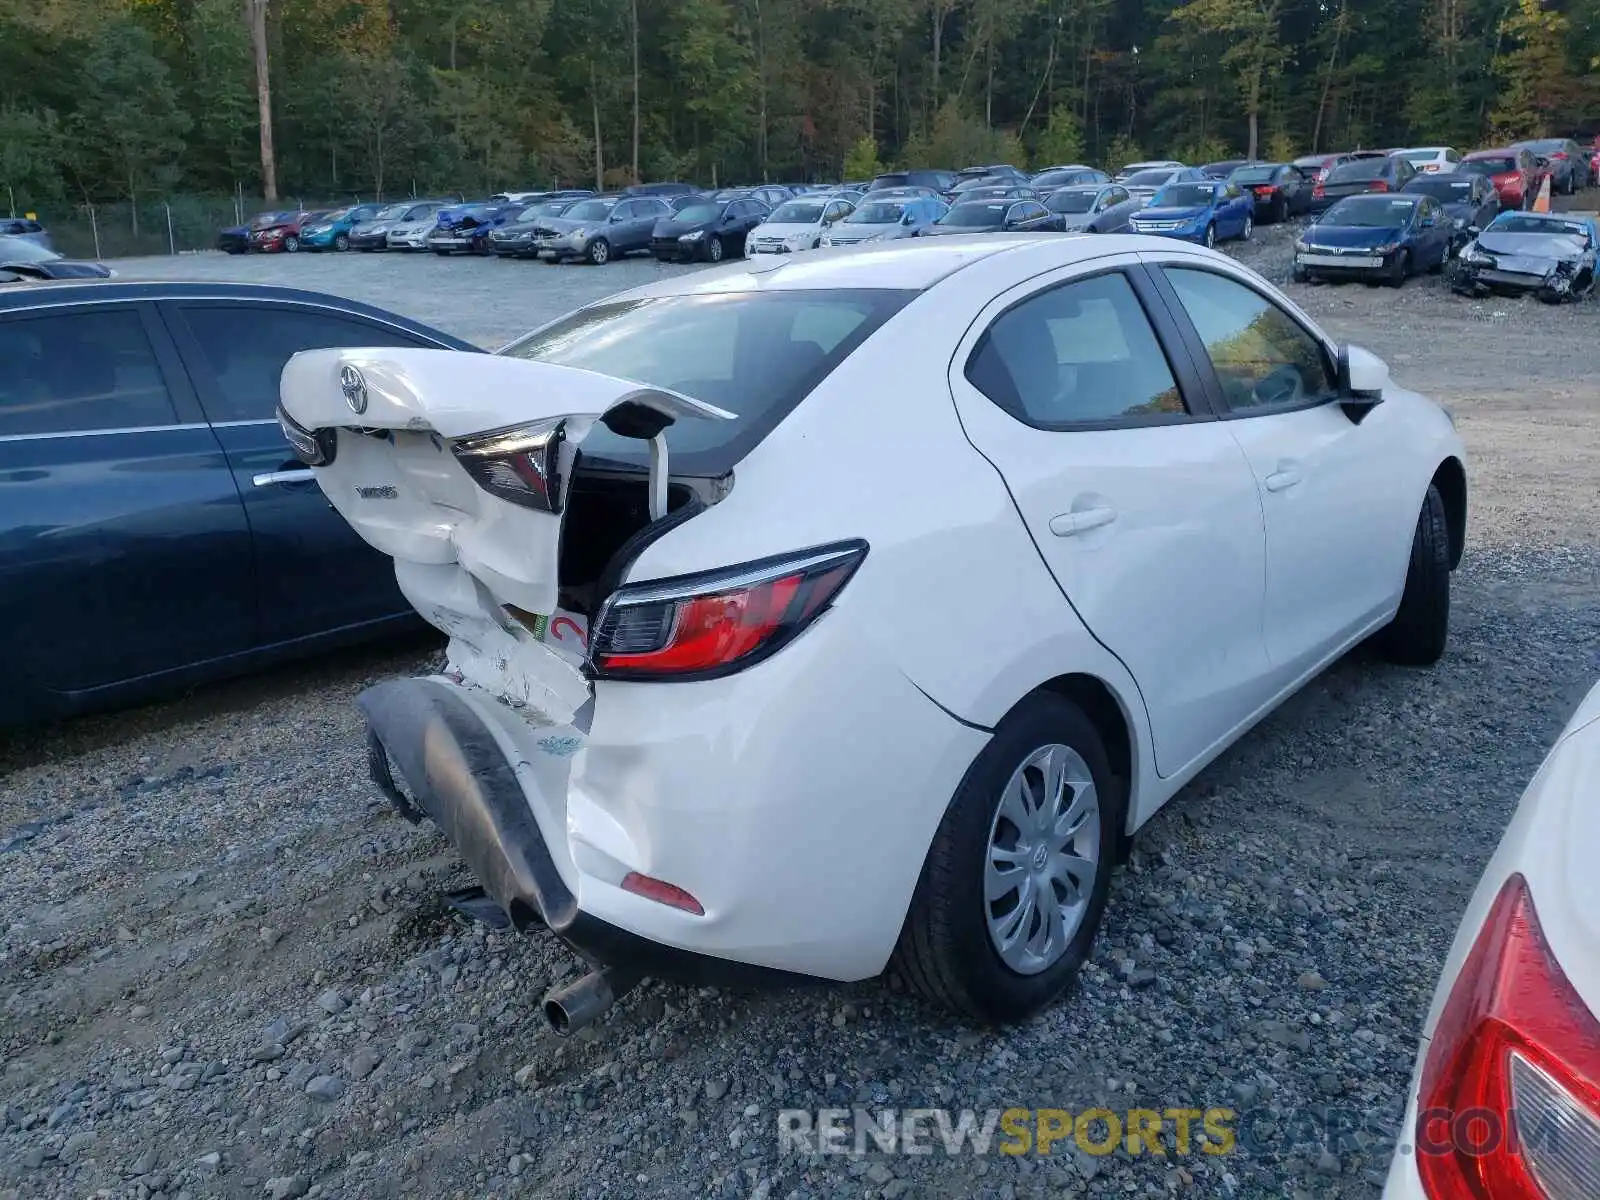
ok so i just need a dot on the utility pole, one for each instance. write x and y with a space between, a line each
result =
257 13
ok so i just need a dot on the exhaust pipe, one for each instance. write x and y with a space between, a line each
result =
578 1004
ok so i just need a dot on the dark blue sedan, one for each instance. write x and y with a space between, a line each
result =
1379 238
155 527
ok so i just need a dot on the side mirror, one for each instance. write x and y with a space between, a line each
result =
1363 376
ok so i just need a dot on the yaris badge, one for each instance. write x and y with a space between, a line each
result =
354 386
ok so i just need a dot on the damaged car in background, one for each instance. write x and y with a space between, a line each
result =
1551 255
702 716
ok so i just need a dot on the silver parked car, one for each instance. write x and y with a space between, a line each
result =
411 233
1093 208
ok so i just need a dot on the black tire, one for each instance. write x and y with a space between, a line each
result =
1280 210
598 252
341 242
1211 235
1249 227
442 253
716 249
1417 635
1396 276
291 244
945 953
1300 275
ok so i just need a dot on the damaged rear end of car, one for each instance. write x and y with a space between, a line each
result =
472 476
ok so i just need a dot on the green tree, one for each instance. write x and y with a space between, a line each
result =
1248 31
862 161
1536 84
1061 140
130 127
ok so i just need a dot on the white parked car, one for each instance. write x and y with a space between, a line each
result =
1432 159
1505 1100
797 224
854 607
1155 164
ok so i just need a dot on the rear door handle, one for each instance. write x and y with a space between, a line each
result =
1283 478
1068 524
272 478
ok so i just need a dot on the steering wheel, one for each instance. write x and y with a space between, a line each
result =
1281 385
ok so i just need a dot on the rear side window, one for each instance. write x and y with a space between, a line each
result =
756 354
247 345
1083 353
80 373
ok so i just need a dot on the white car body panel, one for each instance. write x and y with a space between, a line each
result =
1551 841
930 652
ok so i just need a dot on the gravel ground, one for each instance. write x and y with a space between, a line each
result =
225 971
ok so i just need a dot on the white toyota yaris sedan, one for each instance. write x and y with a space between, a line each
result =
855 607
1505 1099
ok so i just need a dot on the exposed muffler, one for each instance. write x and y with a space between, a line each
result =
578 1004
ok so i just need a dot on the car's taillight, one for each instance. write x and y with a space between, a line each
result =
717 622
521 464
1561 154
1265 191
1510 1091
1318 190
1377 185
314 447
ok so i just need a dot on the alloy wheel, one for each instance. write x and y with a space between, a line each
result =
1042 859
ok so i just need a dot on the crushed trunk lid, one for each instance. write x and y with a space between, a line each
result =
458 467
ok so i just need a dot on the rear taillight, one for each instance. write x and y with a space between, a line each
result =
717 622
1377 185
315 448
520 464
1318 190
1265 191
1510 1090
1561 154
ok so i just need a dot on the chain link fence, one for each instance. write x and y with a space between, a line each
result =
175 224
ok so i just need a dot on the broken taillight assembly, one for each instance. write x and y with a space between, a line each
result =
717 622
521 464
1509 1105
314 447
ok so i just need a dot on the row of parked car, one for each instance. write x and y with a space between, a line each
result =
1377 214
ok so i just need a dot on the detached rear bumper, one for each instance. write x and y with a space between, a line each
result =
432 755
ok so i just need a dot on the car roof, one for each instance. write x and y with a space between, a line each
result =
909 264
65 292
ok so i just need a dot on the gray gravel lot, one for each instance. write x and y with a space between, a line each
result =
224 970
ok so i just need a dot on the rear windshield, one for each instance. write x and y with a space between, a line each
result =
1255 175
1153 178
1442 187
1054 179
1415 157
1488 166
1184 195
1359 169
1071 202
756 354
889 181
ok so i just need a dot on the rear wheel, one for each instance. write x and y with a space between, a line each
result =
1417 635
1016 880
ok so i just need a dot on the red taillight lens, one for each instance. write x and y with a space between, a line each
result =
717 622
520 464
1377 185
1265 191
1510 1090
1561 154
1318 190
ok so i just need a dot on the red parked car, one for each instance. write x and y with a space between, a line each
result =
1515 173
283 234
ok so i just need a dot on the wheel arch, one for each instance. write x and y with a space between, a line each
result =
1114 723
1450 477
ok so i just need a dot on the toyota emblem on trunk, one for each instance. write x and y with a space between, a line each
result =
354 386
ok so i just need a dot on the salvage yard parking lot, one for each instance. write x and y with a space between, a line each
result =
225 971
